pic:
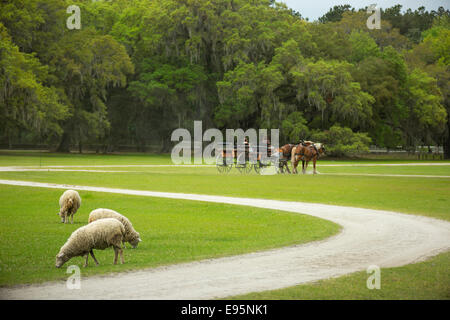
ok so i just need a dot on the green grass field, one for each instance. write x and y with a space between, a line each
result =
173 231
41 158
422 281
181 230
37 158
424 196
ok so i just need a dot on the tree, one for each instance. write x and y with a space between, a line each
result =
294 127
341 141
412 23
169 90
86 66
138 69
327 90
431 56
335 13
26 103
427 116
363 46
384 78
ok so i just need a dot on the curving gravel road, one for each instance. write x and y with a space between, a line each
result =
368 237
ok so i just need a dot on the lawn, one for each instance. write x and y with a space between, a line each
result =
43 158
421 281
172 231
424 196
38 158
183 230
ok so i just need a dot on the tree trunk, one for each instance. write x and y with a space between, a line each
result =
64 145
447 148
8 133
446 143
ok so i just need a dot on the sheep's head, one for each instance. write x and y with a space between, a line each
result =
135 240
61 258
61 214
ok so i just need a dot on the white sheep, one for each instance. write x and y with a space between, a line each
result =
99 234
131 235
69 203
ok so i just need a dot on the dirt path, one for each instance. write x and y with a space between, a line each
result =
369 237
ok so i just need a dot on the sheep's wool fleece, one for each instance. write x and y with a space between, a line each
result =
96 235
108 213
70 194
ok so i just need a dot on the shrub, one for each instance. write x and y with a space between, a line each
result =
341 141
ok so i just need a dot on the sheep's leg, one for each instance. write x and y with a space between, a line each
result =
71 219
116 251
86 261
93 257
121 256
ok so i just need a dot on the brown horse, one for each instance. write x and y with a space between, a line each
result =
306 151
285 156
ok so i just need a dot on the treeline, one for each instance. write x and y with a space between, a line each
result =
137 70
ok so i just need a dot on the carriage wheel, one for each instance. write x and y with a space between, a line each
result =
243 167
257 167
222 166
277 169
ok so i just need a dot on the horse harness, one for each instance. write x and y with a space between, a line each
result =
302 154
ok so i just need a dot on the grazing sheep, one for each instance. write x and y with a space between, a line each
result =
69 203
131 235
99 234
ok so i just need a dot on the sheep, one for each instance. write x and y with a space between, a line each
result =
99 234
131 235
69 203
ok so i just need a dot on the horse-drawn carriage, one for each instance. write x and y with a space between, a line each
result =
244 157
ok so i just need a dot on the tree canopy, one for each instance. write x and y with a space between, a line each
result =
137 70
